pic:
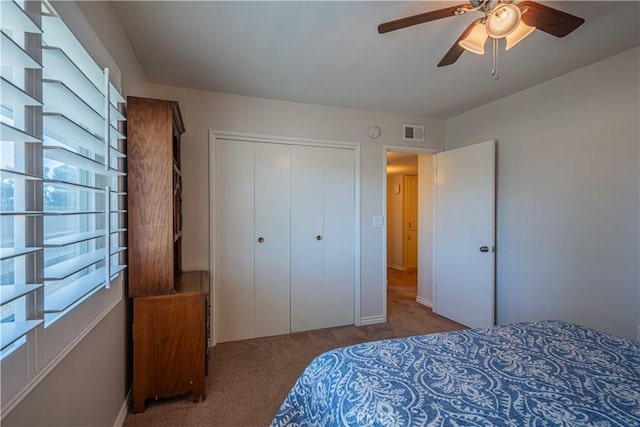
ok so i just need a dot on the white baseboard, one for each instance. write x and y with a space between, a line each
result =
372 320
424 301
124 410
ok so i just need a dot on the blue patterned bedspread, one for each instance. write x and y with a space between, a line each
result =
522 374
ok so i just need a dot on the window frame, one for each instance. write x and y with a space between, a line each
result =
44 347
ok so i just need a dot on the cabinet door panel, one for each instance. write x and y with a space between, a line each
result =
411 259
180 349
235 236
307 195
169 347
145 377
272 225
150 195
339 231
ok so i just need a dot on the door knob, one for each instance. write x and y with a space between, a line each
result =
318 237
260 239
484 249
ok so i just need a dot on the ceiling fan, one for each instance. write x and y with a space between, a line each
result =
506 19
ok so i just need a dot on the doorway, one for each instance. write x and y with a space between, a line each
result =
457 211
402 227
409 245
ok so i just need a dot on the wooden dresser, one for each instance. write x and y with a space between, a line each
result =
170 307
170 335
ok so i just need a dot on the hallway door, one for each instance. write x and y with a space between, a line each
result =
410 221
465 235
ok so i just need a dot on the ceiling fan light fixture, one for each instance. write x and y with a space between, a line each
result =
475 41
520 33
503 20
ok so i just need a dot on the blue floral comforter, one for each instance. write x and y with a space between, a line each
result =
533 374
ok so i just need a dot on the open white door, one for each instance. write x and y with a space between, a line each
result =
464 288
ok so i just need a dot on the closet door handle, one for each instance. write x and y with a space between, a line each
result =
318 237
260 239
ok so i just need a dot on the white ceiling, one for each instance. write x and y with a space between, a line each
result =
331 53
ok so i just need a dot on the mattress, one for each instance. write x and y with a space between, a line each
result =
530 373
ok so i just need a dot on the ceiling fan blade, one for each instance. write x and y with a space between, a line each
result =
420 19
548 19
456 50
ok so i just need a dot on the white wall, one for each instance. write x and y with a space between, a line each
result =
567 195
204 110
426 186
90 384
111 46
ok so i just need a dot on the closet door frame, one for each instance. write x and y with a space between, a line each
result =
213 203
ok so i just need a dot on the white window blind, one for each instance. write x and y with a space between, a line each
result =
20 211
62 166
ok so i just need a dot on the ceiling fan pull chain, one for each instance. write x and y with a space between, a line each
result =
494 71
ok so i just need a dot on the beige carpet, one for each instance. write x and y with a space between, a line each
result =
248 380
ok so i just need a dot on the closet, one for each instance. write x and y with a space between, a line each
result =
284 238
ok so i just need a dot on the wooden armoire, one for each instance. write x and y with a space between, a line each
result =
170 307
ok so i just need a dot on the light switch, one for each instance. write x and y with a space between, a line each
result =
378 221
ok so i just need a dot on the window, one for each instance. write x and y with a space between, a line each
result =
62 203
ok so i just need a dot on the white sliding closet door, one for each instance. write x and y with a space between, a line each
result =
235 239
253 247
272 239
285 238
307 232
322 237
339 235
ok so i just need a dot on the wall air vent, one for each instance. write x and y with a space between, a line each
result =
413 133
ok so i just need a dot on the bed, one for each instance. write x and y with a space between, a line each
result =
532 373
